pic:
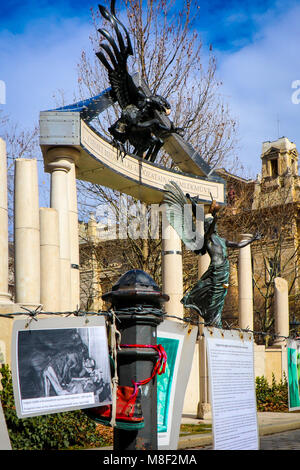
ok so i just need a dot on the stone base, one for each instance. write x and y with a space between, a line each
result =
204 411
6 326
10 307
5 298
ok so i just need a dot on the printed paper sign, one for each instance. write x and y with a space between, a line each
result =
232 388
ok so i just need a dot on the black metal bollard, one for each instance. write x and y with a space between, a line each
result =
136 300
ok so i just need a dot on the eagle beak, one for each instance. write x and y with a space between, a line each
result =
167 111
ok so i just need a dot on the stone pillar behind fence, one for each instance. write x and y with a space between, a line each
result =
74 238
50 261
27 233
204 408
172 276
281 308
245 285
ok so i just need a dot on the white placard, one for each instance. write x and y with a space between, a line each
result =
60 364
232 389
179 341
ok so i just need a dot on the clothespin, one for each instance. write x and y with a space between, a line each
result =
241 333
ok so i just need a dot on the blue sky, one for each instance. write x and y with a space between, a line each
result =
256 44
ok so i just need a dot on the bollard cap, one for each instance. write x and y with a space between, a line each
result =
135 287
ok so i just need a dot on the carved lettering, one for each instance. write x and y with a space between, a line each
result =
143 172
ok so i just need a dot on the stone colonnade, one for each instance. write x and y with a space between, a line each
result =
46 239
47 248
47 251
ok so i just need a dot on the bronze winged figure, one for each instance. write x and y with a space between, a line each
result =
207 296
138 123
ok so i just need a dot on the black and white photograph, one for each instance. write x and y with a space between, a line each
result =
61 368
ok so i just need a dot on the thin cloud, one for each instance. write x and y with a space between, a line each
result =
256 43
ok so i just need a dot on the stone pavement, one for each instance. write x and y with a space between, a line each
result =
273 427
288 440
268 423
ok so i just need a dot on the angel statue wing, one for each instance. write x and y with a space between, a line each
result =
124 89
180 216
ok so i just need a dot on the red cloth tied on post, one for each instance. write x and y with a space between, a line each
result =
159 367
128 407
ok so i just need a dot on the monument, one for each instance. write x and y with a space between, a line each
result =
46 239
74 149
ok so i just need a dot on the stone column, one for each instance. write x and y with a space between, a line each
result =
92 230
4 295
27 233
203 263
245 286
50 260
281 307
96 288
59 162
74 238
172 277
204 408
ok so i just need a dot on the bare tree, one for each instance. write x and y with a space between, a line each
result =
277 254
170 57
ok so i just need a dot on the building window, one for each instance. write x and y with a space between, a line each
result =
274 167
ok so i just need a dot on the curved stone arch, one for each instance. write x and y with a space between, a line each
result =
99 163
73 149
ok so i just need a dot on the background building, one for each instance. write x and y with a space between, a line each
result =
269 205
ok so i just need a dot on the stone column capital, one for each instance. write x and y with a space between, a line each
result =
61 158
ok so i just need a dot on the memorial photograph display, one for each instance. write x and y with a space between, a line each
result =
293 359
59 365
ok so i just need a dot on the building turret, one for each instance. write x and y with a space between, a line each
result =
279 182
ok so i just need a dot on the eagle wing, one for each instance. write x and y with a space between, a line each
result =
180 216
124 90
